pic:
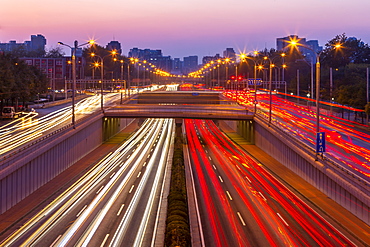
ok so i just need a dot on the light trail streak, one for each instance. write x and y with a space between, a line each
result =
24 130
61 205
296 212
346 145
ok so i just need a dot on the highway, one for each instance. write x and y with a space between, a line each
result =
116 203
348 144
23 130
241 204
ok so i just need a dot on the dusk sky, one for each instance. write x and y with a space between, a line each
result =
183 28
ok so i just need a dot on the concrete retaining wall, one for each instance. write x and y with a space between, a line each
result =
26 171
349 191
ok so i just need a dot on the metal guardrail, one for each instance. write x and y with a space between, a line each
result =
309 149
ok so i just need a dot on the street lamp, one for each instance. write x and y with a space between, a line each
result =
294 43
243 56
271 65
102 75
73 54
227 60
122 62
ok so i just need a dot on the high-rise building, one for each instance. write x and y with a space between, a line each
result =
282 44
177 66
207 59
37 43
190 64
229 53
58 69
152 56
114 45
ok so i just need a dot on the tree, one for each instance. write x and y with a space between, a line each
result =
19 81
352 50
56 52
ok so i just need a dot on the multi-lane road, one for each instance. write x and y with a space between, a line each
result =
23 130
348 144
241 204
116 203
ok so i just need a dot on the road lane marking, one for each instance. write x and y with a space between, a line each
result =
238 167
248 179
228 194
221 179
206 151
264 198
112 175
282 219
100 189
128 156
104 240
120 209
241 218
209 157
56 240
138 175
144 163
132 187
214 167
148 156
79 213
133 150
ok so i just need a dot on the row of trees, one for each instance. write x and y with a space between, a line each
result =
19 82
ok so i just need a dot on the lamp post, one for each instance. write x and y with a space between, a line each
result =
122 80
367 93
271 65
102 75
255 78
73 54
294 43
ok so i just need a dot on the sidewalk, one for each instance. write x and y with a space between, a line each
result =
333 210
20 213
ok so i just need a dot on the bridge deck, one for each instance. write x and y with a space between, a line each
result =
212 111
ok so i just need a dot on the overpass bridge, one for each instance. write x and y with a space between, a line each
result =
209 111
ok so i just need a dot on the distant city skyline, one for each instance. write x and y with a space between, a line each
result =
179 28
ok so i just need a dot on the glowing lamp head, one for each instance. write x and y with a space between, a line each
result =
338 46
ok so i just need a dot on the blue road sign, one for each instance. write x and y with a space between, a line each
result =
320 142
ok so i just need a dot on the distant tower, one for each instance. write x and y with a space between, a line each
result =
282 45
115 45
37 43
229 53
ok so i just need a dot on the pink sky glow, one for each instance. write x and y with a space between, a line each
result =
183 28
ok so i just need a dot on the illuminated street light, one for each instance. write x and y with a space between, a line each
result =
102 75
73 54
294 43
243 56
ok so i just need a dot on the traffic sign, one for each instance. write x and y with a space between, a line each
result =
320 142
